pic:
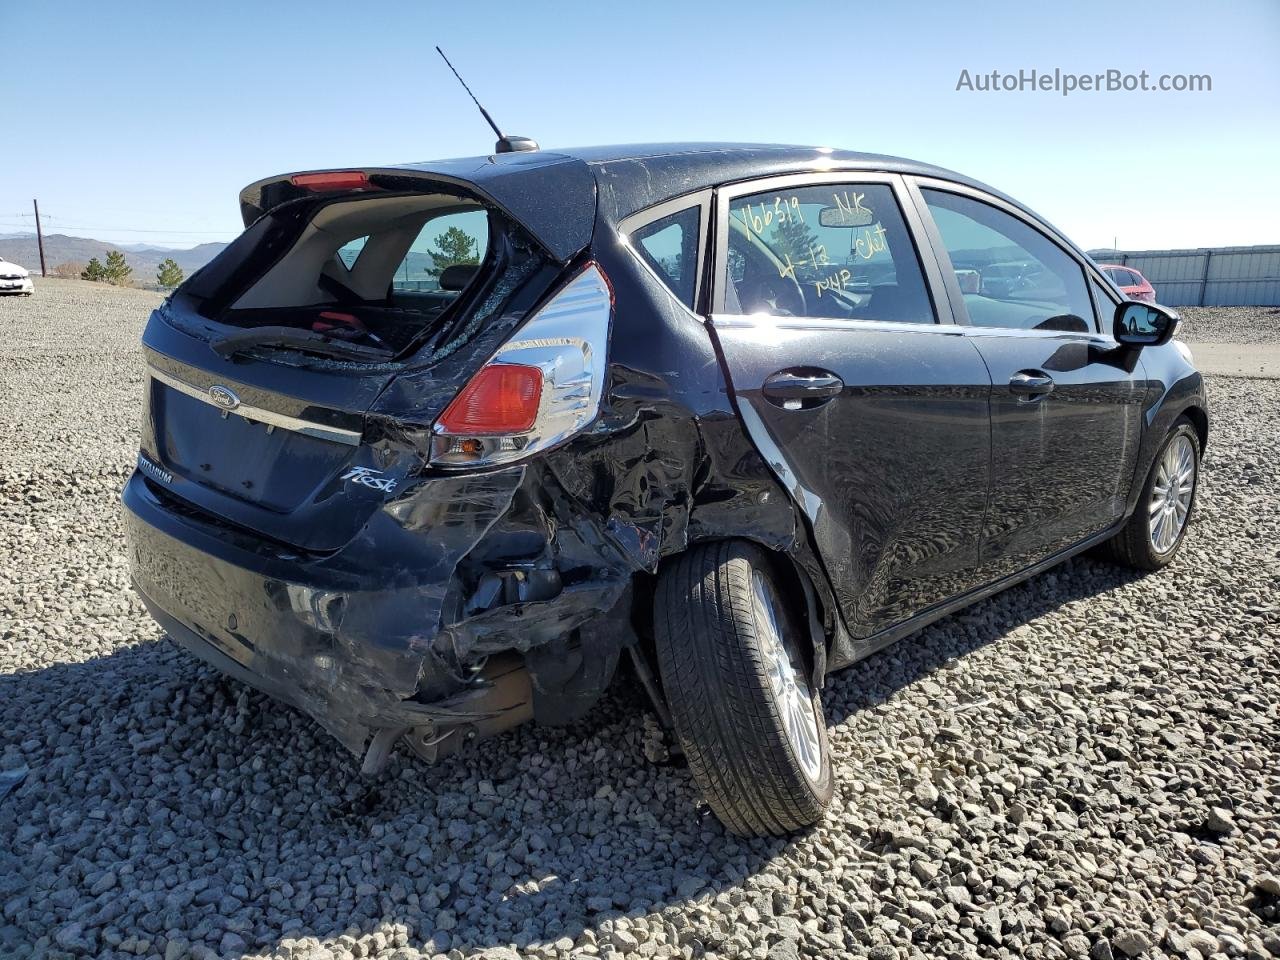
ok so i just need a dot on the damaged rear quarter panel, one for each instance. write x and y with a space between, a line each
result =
455 567
666 464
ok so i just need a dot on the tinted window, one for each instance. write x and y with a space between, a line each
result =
670 247
1121 277
840 251
1024 280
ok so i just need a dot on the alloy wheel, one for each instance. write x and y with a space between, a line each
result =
1171 493
787 681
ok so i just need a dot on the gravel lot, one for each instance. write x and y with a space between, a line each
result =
1230 324
1085 766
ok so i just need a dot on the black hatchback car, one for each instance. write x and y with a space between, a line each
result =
429 449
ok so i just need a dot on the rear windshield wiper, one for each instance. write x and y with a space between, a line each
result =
304 340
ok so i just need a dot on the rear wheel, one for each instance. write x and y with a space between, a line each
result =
1151 538
732 656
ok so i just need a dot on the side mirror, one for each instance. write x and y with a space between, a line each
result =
1143 324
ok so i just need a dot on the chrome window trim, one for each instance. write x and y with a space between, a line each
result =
767 321
307 428
926 257
1028 333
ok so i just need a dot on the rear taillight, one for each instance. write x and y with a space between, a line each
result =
501 398
541 387
332 180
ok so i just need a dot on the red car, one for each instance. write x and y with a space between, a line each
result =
1131 283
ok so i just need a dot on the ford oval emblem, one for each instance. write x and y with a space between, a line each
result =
224 397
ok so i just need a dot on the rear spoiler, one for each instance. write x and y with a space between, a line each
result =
552 196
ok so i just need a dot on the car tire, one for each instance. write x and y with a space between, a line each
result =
732 655
1137 544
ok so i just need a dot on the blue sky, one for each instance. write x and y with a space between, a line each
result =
142 124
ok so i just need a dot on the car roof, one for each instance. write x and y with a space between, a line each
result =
634 176
557 194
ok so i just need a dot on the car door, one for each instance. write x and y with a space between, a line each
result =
1066 404
868 402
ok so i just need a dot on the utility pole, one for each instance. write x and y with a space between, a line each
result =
39 237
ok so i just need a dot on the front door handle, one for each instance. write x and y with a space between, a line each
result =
801 389
1031 383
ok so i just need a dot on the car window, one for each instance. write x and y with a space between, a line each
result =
670 247
350 251
1024 279
1105 300
457 240
839 251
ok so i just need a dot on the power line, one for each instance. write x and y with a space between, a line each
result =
62 224
172 233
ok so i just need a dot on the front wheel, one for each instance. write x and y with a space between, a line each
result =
1151 538
731 653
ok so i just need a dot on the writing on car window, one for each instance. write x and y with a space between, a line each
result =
838 251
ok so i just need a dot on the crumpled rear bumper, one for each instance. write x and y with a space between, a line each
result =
390 630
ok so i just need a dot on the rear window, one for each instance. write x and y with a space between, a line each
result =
670 247
373 270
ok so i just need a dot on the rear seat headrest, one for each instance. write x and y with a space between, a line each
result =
456 276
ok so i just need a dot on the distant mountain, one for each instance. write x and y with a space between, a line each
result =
144 258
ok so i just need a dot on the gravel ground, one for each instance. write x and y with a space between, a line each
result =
1230 324
1087 765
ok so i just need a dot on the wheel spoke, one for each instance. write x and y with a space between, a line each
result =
787 683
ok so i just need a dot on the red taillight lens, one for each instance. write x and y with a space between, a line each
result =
502 398
335 180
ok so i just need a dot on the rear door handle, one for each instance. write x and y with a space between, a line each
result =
802 389
1031 383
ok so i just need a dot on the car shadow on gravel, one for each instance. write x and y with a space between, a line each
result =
164 798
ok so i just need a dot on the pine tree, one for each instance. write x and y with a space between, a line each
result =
170 274
454 246
116 271
94 271
792 238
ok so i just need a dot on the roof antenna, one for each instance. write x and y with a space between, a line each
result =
505 144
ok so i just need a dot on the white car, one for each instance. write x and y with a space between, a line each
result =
15 279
